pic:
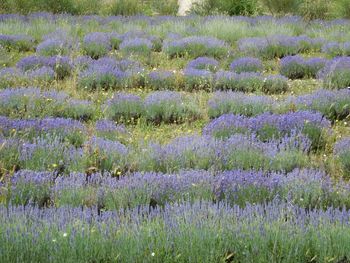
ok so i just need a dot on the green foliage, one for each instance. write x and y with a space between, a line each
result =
125 7
278 7
344 159
314 9
228 7
341 8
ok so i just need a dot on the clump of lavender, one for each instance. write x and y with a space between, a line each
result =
247 64
195 46
336 49
43 74
108 129
335 105
106 155
268 126
97 44
60 65
10 76
336 73
42 154
161 80
136 45
198 79
296 67
342 152
277 46
124 107
168 107
32 102
235 152
53 47
17 42
70 130
106 73
275 84
244 82
223 102
204 63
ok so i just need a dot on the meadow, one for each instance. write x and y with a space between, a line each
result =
174 139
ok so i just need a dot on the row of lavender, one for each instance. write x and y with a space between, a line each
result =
166 106
267 142
309 189
200 74
97 44
188 232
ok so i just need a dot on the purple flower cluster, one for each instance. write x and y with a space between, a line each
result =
278 45
337 49
138 45
247 64
336 73
62 66
195 46
296 67
109 73
108 147
236 152
239 103
342 146
19 42
59 125
335 105
109 126
161 79
204 63
54 46
267 125
250 82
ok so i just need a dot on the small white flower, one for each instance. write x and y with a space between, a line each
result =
65 234
54 240
153 254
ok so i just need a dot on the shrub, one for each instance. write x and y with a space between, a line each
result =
53 47
97 44
238 103
232 8
245 81
342 152
125 7
161 80
17 42
109 130
196 46
335 105
275 84
246 65
336 73
337 49
204 63
107 73
136 45
271 126
168 107
196 79
296 67
278 46
124 107
106 155
282 6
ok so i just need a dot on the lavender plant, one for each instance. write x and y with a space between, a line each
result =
195 46
238 103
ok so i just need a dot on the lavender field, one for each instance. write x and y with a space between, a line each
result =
174 139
